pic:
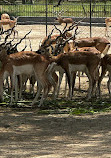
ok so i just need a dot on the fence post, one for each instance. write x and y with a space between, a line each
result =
46 16
90 19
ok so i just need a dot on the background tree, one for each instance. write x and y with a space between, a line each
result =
23 1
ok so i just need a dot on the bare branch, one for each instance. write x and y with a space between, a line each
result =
24 47
61 44
59 3
10 32
49 37
15 45
30 44
65 27
58 39
57 29
3 32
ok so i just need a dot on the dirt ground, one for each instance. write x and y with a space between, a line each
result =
26 134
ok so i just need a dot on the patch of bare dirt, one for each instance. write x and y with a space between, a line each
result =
26 134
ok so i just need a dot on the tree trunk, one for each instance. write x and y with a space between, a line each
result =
31 1
23 1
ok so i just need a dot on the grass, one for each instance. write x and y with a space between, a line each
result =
75 107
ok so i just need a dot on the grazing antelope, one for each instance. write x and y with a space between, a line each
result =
108 23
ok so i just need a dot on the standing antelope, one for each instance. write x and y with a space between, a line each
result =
6 23
65 21
106 66
5 16
108 23
54 41
24 63
85 61
100 43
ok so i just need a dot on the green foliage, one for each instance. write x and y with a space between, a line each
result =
75 107
75 111
62 106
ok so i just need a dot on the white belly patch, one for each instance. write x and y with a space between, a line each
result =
6 27
73 67
24 69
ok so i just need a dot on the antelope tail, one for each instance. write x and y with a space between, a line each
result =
49 71
105 50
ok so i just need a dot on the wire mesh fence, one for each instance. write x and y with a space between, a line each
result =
69 8
45 11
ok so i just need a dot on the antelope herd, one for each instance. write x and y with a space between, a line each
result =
61 52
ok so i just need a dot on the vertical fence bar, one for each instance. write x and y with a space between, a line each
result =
46 16
90 19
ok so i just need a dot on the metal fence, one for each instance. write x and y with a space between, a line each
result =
68 9
45 13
